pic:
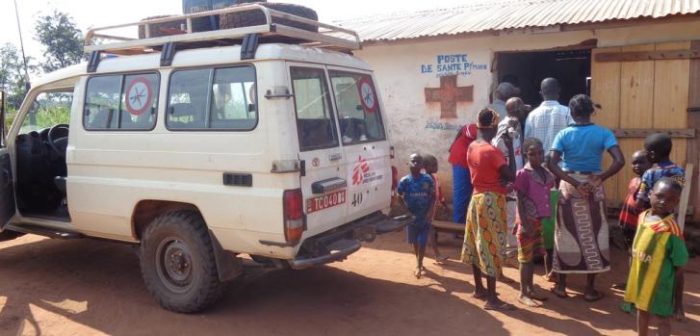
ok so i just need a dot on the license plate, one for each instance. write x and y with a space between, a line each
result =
326 201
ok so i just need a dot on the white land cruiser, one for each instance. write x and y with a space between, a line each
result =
202 147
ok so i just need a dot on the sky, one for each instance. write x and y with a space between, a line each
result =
99 13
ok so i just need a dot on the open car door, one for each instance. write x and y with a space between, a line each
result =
7 197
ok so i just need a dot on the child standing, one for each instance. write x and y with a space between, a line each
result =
431 168
629 213
658 253
658 147
532 184
417 191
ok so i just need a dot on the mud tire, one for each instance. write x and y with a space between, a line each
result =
178 264
254 18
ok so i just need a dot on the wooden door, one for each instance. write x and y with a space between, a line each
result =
643 89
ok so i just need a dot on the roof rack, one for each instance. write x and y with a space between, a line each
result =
112 39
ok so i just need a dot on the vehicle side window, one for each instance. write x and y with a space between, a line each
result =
126 102
358 107
217 99
48 109
315 119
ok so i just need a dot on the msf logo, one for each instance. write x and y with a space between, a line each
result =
358 172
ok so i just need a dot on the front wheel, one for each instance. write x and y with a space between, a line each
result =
177 262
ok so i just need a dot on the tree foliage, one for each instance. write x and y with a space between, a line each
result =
62 41
12 77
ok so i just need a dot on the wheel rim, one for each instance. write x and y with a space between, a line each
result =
174 264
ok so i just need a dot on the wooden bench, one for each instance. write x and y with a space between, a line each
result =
445 226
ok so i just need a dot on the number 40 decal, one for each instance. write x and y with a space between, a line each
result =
357 199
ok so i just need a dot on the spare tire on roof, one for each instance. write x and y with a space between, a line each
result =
256 17
167 28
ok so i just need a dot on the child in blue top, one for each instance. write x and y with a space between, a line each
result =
417 191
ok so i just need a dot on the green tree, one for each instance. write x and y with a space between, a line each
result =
12 77
62 41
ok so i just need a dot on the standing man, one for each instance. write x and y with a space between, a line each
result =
550 117
504 91
544 123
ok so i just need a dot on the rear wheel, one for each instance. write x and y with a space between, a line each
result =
177 262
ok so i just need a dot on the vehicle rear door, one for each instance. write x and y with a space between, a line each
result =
323 182
7 196
364 142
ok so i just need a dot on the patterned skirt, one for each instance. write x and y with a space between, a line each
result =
581 235
485 233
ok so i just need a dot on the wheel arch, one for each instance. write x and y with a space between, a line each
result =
146 211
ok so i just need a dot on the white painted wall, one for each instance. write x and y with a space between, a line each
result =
412 121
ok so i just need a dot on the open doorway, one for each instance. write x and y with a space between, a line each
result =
527 70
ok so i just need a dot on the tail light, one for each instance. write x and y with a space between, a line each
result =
294 219
394 178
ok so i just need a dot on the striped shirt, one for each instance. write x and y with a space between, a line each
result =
546 121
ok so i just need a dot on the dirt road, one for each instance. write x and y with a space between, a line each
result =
87 287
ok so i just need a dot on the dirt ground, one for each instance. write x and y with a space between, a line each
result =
89 287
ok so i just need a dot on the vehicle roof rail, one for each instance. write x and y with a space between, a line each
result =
120 40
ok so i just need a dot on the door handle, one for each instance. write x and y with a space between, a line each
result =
335 156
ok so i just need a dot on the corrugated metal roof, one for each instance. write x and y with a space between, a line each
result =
496 15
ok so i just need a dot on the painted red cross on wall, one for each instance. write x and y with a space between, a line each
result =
448 94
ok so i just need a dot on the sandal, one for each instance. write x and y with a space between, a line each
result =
538 297
440 260
480 295
528 302
592 297
559 293
499 306
418 273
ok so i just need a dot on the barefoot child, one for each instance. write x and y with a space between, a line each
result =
532 184
658 147
431 168
484 235
658 253
418 193
629 213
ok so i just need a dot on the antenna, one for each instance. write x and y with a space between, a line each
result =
21 43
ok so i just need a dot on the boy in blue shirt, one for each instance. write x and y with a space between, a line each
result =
418 194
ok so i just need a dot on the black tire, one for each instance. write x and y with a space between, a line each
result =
190 281
167 28
254 18
6 235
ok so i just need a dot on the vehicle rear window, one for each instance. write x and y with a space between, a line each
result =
358 108
121 102
315 119
212 99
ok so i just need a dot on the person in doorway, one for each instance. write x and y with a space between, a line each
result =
581 210
658 147
532 184
503 92
544 123
418 194
509 141
629 213
431 168
658 255
461 178
484 235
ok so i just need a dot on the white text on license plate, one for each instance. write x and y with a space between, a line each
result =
325 201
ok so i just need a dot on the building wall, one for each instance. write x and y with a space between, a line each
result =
404 69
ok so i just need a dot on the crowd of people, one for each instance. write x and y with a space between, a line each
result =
528 183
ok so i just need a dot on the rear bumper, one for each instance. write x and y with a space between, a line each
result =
337 244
